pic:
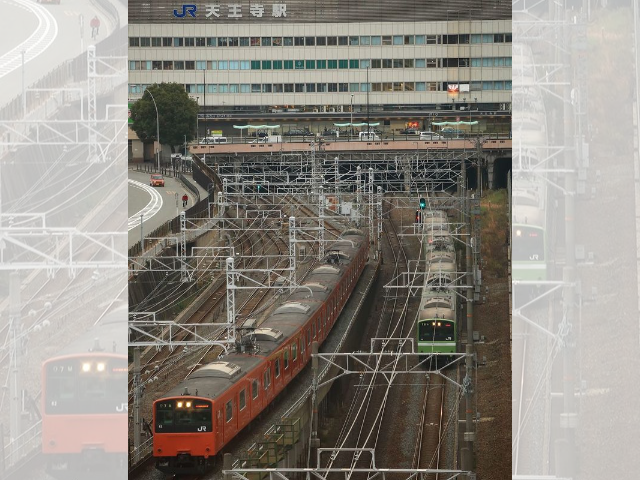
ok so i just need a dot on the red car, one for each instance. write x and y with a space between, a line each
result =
157 180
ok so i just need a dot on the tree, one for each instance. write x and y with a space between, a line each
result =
176 111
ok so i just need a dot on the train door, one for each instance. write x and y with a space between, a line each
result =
219 430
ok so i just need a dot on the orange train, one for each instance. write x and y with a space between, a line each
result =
197 418
84 401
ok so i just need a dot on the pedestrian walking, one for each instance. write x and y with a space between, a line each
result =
185 199
95 26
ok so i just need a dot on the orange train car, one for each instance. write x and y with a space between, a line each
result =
197 418
84 401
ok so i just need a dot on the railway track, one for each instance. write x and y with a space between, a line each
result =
431 426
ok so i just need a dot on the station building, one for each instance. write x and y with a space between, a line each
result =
302 63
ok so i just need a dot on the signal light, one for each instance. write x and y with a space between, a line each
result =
423 204
418 216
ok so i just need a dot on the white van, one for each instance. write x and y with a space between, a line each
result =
216 140
368 137
430 136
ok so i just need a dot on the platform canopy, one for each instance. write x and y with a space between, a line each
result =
475 122
356 124
243 127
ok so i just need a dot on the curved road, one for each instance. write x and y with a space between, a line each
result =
158 204
49 34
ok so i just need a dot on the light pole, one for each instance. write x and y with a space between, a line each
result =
197 117
351 126
24 93
157 128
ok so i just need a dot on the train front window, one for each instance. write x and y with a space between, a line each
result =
528 244
183 416
86 385
439 330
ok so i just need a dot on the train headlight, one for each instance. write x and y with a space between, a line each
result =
101 367
188 404
518 233
179 404
86 367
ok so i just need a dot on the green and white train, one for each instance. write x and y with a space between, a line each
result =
437 326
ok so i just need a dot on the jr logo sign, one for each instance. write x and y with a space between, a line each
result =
190 9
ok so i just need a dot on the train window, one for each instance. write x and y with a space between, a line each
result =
243 399
286 359
313 329
302 346
254 389
229 410
309 337
294 351
267 378
277 367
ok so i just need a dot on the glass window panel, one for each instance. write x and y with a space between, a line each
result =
398 40
233 41
408 63
146 42
333 87
245 88
387 63
376 63
190 65
507 84
487 85
201 65
200 88
299 64
288 64
398 63
420 86
365 63
376 87
386 40
223 65
234 65
476 38
233 88
255 41
277 88
365 40
331 64
166 41
178 42
310 41
364 87
178 65
212 41
343 40
354 41
343 63
487 38
299 87
321 87
298 41
134 65
255 64
508 37
343 87
421 63
212 88
244 41
311 87
499 62
321 64
156 41
420 39
134 42
321 41
288 87
310 65
287 41
476 62
432 63
507 62
189 42
277 64
432 39
222 41
332 41
256 88
376 41
354 64
266 88
266 41
277 41
223 88
354 87
266 64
